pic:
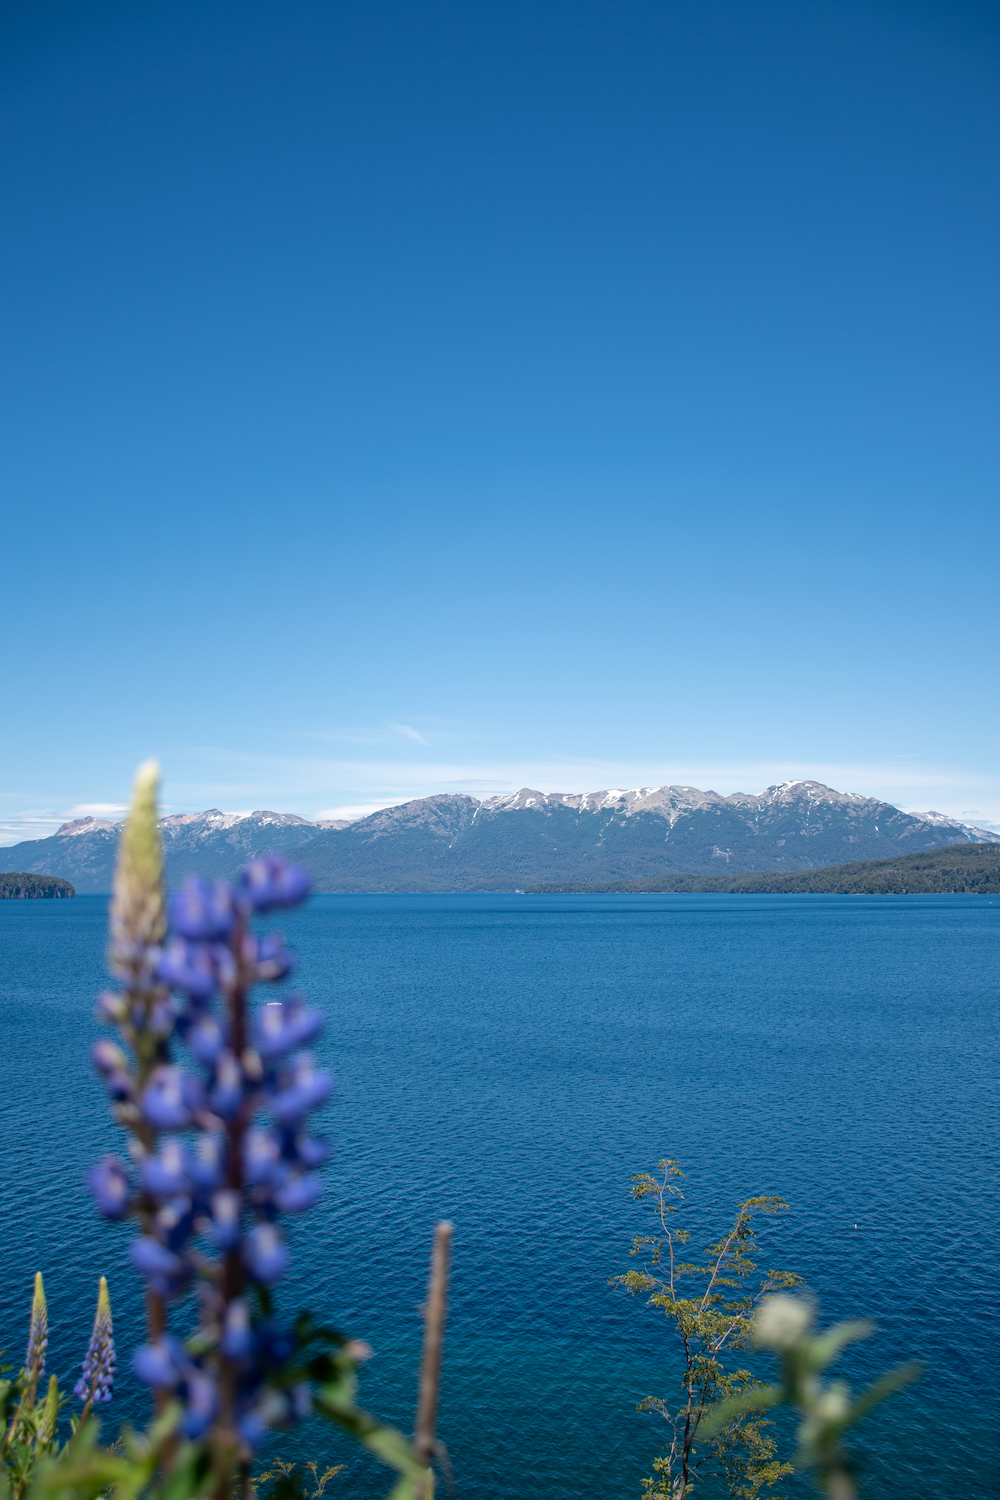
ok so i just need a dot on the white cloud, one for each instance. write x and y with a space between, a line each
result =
411 734
352 811
28 826
478 787
110 810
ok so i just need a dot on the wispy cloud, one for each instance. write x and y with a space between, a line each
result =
353 810
97 810
411 734
28 826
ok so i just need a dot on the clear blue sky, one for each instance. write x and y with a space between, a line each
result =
407 397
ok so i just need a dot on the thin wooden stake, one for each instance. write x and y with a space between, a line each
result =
430 1364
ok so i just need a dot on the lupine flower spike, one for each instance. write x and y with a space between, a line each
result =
97 1382
49 1419
38 1338
221 1149
238 1175
207 1165
138 908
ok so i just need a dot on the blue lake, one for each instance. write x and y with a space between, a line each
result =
508 1062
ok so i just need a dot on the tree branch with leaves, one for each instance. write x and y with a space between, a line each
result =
710 1306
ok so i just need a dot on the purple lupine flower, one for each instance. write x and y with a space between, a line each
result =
226 1096
303 1091
270 882
163 1103
112 1006
252 1428
121 1086
165 1174
226 1219
268 956
237 1337
161 1018
265 1253
298 1193
97 1382
269 1408
206 1038
193 1186
38 1335
165 1272
193 1093
111 1062
200 1405
225 965
202 912
166 1366
311 1151
204 1163
261 1154
188 969
173 1222
108 1058
109 1184
160 1364
284 1025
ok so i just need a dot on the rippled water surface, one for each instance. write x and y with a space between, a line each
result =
508 1063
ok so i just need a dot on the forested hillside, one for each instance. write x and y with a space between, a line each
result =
962 870
22 887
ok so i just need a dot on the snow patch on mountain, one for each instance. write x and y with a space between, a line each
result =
941 820
82 825
674 802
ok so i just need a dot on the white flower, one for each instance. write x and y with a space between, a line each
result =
834 1403
781 1321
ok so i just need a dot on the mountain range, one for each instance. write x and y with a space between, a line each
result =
453 842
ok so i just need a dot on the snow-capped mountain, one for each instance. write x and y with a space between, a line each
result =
455 842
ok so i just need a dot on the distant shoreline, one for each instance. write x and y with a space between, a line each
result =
956 870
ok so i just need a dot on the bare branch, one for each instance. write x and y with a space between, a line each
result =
430 1365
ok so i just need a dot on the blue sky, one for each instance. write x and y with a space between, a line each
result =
410 397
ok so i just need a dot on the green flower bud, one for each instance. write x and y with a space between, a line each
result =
138 905
50 1414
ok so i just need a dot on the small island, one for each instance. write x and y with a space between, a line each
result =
31 887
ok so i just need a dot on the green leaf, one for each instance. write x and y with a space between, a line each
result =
890 1382
823 1348
759 1399
387 1443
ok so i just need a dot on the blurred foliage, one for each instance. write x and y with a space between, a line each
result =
37 1463
784 1325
